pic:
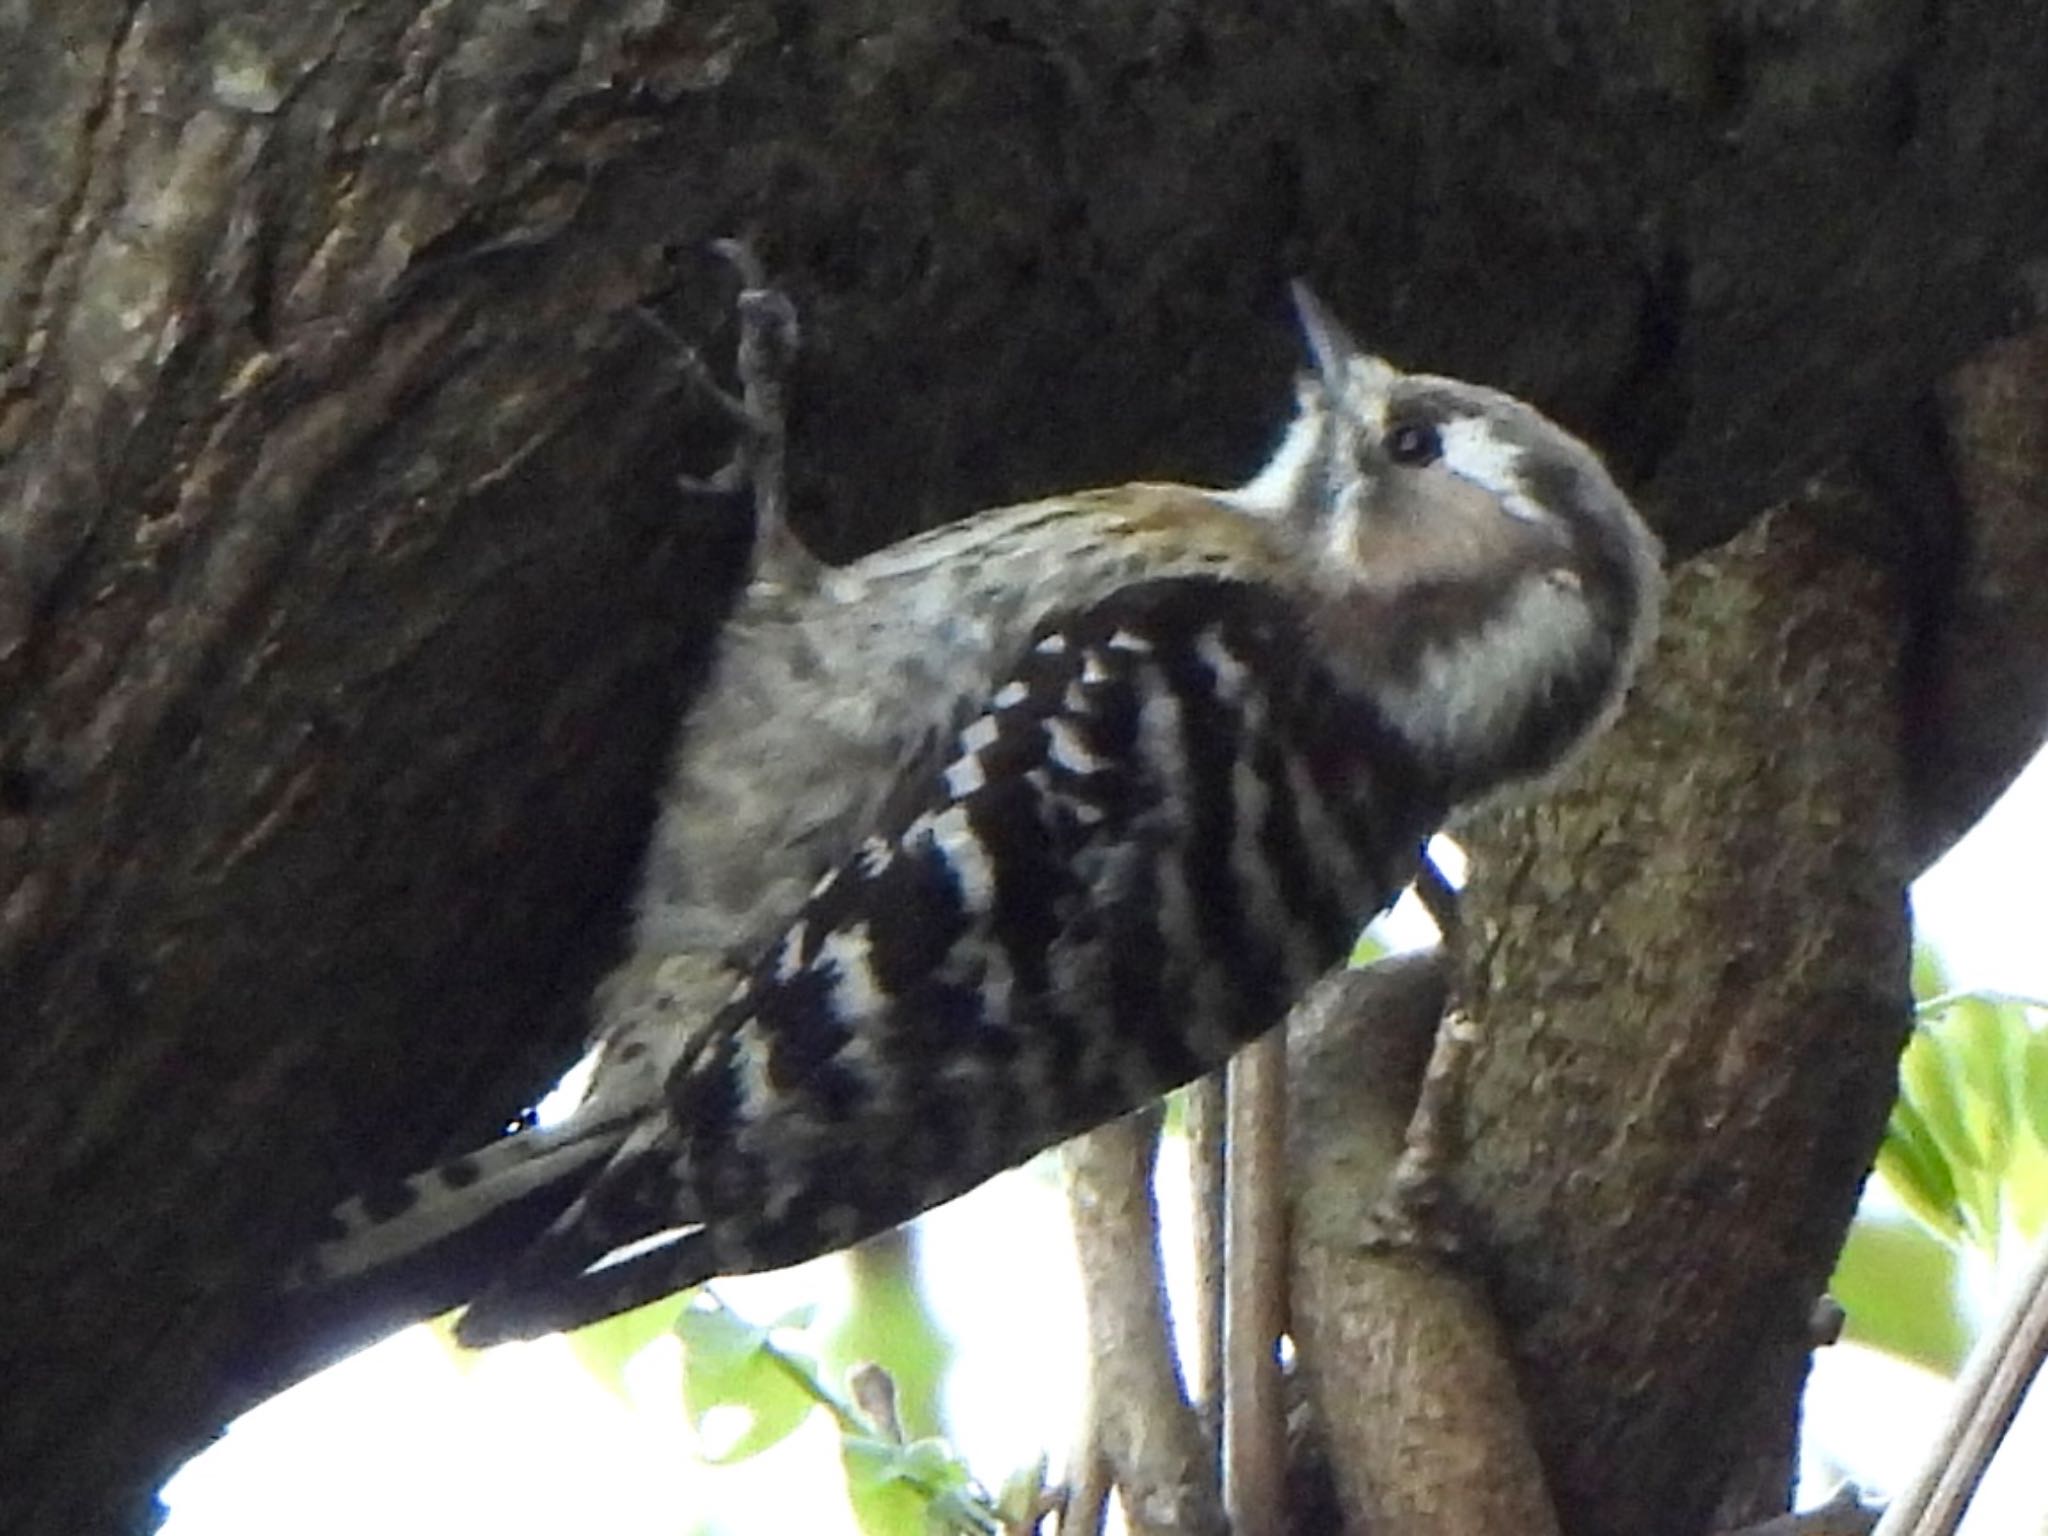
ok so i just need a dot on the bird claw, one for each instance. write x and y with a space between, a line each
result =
768 341
1419 1210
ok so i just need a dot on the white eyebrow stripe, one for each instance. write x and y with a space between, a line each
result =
1473 453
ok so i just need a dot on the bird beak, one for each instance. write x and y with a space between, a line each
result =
1339 360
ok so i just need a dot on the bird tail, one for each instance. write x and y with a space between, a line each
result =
437 1240
549 1290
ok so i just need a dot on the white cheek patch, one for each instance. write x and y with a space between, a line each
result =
1468 692
1473 453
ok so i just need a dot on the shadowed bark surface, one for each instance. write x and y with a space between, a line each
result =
345 599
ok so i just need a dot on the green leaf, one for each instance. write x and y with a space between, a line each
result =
1928 1082
889 1320
1175 1122
1973 1075
1973 1040
605 1348
1023 1495
1898 1285
2025 1190
1365 951
906 1490
1930 976
1913 1163
2034 1085
730 1363
1935 1081
884 1504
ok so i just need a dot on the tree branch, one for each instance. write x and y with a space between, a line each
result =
1405 1362
1207 1185
1255 1290
1142 1421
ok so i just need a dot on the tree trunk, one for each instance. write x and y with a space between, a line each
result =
346 598
1693 993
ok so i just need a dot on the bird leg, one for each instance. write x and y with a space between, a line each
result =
1414 1210
768 341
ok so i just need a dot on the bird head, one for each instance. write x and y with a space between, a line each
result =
1477 570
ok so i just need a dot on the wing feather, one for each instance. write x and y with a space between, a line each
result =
1067 915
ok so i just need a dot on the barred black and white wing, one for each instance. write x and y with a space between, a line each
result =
825 708
1163 826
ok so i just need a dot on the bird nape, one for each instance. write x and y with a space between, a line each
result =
1005 830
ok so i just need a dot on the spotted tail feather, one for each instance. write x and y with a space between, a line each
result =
429 1244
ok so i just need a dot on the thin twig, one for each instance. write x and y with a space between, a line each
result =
1158 1455
1205 1122
2004 1364
1255 1290
1996 999
1843 1515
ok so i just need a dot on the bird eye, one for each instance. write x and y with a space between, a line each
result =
1414 443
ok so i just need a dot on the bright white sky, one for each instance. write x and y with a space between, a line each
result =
1982 906
402 1440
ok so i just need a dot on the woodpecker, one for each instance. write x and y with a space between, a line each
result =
1005 830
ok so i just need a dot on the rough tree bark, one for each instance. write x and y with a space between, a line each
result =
1692 997
345 599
